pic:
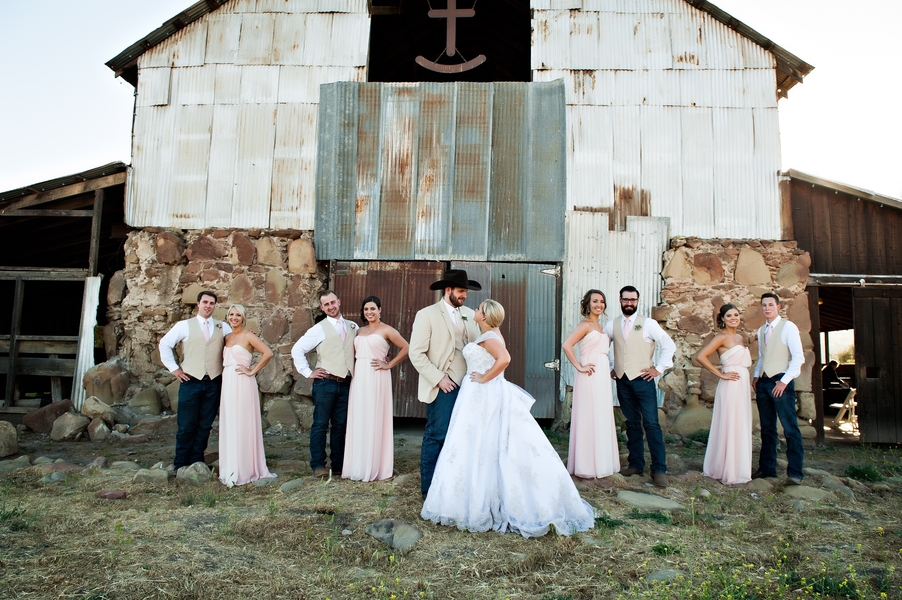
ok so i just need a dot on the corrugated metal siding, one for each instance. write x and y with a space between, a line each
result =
414 154
233 145
530 328
84 359
664 102
608 260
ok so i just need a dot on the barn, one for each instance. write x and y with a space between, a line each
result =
280 146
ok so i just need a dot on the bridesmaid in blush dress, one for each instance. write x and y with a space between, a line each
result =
728 457
241 456
369 445
593 436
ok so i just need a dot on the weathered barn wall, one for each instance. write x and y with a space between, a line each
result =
700 276
663 100
272 273
226 108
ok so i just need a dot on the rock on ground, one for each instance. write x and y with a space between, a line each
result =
396 534
648 501
67 426
804 492
197 474
42 419
157 477
9 439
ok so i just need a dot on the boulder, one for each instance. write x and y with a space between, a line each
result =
301 257
16 463
272 379
803 492
42 419
708 268
692 419
107 381
204 248
125 416
648 501
156 427
93 408
172 391
678 267
116 290
268 252
281 412
98 430
274 327
157 477
274 286
242 251
242 290
169 248
751 268
395 534
145 402
9 439
68 425
197 474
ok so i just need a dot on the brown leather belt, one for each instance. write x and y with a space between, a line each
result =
336 378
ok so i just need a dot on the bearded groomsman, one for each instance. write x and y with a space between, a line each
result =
200 376
440 332
333 339
635 340
780 360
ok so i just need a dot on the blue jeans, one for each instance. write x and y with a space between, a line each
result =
198 405
330 404
639 403
769 408
438 416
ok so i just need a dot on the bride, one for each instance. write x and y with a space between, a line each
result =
497 469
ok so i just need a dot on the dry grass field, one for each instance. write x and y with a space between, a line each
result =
59 540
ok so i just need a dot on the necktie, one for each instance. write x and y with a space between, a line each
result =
341 330
767 331
626 329
207 330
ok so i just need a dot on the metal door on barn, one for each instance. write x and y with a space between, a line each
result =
877 317
530 294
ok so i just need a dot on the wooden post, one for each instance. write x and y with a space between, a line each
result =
95 232
817 382
14 343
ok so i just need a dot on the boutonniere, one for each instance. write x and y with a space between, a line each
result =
353 325
637 327
463 318
219 326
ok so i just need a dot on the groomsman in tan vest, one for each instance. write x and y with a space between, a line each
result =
333 339
780 360
200 376
440 332
635 339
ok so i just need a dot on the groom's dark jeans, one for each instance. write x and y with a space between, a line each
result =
438 416
330 406
784 407
639 403
198 405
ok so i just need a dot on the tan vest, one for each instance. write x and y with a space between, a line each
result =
333 354
632 354
776 354
202 357
458 369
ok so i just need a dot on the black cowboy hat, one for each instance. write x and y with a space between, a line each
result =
455 278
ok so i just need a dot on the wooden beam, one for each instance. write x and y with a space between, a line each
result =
40 273
46 367
11 361
29 347
817 382
95 232
81 187
47 213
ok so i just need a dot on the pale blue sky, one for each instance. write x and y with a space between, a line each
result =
61 110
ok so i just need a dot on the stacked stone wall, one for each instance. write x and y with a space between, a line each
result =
700 276
273 274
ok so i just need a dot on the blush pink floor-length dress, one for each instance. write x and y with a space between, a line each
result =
369 441
241 455
728 457
593 435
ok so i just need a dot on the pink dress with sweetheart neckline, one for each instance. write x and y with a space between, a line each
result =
241 455
728 457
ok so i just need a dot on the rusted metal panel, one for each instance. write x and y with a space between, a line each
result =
84 360
255 45
530 329
697 165
184 48
227 84
223 160
397 209
403 289
590 178
254 166
294 165
189 165
223 35
307 6
734 182
508 193
301 83
259 85
153 87
369 169
687 40
193 85
661 164
766 163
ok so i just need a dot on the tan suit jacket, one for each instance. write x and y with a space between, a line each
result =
432 346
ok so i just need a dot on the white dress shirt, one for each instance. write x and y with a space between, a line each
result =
310 340
652 333
793 341
453 312
178 334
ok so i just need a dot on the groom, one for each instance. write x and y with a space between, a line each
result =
635 339
439 335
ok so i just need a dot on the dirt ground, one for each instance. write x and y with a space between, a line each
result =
59 540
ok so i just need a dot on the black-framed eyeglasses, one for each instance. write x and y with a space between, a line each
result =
629 301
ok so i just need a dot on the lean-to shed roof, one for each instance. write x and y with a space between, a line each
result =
790 68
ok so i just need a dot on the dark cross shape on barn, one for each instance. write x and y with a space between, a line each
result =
452 14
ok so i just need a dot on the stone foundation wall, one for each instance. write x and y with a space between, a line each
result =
273 274
700 276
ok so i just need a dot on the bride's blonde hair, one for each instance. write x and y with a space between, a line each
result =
493 311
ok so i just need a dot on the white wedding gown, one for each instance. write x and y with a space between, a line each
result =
497 470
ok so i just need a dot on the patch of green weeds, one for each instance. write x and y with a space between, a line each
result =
663 549
864 473
700 436
209 498
656 516
605 521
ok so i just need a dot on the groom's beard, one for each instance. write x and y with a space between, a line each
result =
629 309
